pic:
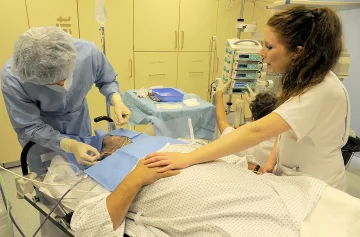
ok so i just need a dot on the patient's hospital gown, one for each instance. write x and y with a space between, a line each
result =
219 198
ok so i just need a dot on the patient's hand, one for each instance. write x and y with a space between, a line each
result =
167 160
145 175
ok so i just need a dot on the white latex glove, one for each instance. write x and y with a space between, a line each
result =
224 87
250 97
84 153
122 112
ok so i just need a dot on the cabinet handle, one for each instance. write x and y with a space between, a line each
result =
196 73
154 75
130 63
176 39
182 39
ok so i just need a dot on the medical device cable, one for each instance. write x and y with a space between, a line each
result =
58 202
36 181
32 180
3 193
16 225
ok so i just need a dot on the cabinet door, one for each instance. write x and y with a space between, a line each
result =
13 22
119 45
193 73
62 14
89 27
154 69
197 24
156 25
119 41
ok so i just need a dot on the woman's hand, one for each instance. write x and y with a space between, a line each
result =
223 88
145 175
250 97
268 167
168 161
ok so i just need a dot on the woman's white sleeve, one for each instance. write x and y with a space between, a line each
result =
301 112
91 219
227 131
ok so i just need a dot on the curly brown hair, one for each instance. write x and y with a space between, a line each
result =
319 32
263 104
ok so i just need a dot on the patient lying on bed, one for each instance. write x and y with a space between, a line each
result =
219 198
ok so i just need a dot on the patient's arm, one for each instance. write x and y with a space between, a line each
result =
221 118
118 202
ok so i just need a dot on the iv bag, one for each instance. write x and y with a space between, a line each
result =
100 12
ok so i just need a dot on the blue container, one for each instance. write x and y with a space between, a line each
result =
167 94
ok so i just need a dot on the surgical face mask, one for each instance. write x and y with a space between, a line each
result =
62 89
68 82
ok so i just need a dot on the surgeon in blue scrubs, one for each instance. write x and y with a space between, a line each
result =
45 84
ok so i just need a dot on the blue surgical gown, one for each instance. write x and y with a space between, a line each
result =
45 116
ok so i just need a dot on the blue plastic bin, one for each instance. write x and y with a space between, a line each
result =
167 94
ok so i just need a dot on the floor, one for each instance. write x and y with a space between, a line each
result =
28 218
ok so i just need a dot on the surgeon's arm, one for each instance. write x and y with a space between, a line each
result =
105 76
221 117
25 118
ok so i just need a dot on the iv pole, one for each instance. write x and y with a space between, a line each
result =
101 18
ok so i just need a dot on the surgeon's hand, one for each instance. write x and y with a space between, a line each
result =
145 175
168 161
223 87
84 153
122 112
250 97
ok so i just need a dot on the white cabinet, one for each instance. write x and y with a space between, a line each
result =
197 24
13 23
158 68
174 25
119 45
193 73
119 41
156 25
184 30
62 14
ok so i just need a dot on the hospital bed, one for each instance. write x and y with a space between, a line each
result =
332 201
61 216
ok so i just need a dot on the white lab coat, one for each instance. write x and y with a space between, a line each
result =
319 121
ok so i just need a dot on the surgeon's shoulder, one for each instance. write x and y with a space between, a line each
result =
7 78
6 70
85 46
